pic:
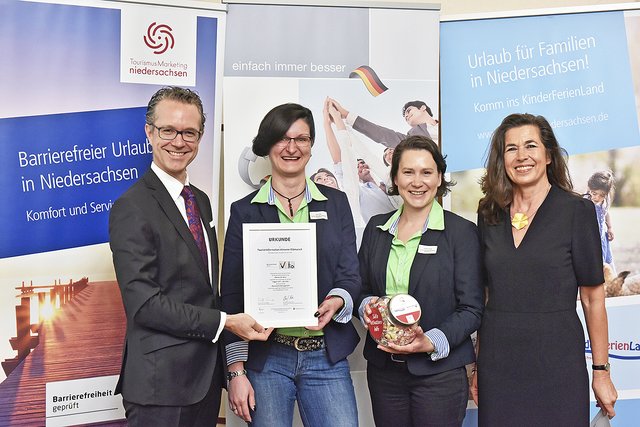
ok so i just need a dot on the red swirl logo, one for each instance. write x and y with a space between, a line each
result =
159 38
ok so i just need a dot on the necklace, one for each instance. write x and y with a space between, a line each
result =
520 220
289 199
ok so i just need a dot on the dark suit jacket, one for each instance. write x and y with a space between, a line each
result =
337 266
170 302
448 285
386 136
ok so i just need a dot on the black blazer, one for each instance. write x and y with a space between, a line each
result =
448 285
169 300
337 266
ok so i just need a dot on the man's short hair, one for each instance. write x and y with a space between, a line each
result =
175 93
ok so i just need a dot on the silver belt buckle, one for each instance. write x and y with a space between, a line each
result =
397 360
296 343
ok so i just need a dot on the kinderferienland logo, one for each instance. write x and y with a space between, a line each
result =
159 38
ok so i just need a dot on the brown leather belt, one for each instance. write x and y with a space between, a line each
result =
300 343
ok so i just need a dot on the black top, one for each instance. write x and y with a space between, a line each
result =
531 365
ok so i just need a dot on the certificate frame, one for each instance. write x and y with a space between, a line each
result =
280 273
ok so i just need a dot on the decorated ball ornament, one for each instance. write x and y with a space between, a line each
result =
394 319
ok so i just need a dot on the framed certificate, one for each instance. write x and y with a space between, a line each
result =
280 274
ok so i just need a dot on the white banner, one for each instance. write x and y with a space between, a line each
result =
372 61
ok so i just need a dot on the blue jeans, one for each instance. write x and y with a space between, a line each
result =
324 391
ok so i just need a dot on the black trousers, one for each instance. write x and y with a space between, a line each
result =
201 414
401 399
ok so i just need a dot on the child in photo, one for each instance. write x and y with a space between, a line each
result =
600 191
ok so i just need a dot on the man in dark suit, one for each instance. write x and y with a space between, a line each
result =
166 262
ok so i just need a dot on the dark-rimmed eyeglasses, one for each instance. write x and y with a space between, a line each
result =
301 141
169 133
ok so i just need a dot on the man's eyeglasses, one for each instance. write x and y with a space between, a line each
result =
169 134
301 141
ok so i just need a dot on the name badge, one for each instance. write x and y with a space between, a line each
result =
318 215
427 250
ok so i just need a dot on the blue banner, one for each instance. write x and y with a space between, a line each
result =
76 80
64 174
558 66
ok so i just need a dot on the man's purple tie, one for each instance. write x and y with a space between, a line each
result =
195 223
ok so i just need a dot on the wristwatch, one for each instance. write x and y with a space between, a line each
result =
234 374
605 367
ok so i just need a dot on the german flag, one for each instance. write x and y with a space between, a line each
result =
370 79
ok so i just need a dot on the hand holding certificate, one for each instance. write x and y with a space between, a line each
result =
280 274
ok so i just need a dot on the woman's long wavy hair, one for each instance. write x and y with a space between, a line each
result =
496 185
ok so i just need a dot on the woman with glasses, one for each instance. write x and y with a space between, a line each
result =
303 364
